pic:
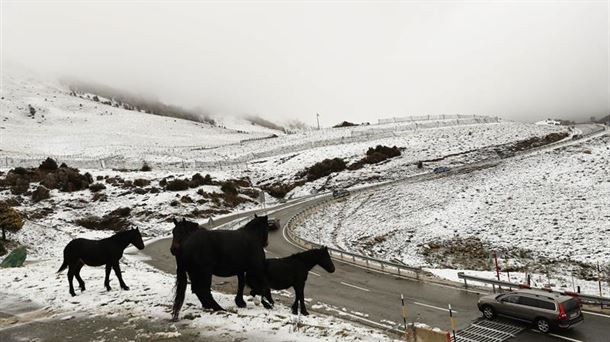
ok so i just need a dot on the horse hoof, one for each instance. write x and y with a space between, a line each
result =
126 288
294 311
108 288
241 304
304 313
73 294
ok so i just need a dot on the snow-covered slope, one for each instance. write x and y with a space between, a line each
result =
42 118
549 208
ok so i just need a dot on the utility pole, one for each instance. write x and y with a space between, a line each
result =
318 118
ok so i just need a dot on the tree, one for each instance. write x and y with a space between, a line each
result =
9 220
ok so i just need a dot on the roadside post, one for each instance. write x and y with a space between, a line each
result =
452 323
497 268
404 315
261 199
599 283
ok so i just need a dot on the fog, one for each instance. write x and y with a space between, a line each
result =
358 61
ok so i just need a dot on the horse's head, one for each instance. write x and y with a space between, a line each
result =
324 260
182 230
136 238
259 226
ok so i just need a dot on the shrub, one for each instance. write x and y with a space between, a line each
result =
114 220
141 182
121 212
10 220
345 124
385 150
2 249
97 187
145 167
177 185
376 155
279 190
21 186
41 193
32 110
48 165
324 168
229 188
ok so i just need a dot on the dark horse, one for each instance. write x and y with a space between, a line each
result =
292 272
201 253
109 251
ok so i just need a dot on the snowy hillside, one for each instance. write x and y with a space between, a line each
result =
547 209
43 119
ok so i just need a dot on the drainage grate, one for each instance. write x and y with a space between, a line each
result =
483 330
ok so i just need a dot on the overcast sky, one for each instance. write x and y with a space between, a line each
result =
356 61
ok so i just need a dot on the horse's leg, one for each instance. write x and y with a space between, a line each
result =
239 297
107 279
295 305
300 289
269 298
206 292
70 278
77 269
117 271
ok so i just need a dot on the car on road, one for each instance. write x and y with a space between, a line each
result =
340 193
273 224
441 169
546 310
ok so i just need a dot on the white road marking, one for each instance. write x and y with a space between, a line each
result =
343 313
596 314
356 287
314 273
434 307
564 338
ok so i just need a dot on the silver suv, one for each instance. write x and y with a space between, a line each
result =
545 309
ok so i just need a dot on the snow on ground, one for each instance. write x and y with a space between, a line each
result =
548 208
151 296
65 125
151 290
89 134
469 143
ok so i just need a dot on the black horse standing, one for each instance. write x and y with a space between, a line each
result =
201 253
109 251
292 272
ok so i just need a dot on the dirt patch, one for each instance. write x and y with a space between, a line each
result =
461 253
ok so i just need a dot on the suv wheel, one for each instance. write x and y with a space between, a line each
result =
543 325
488 312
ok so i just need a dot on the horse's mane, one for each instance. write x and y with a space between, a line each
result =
254 224
308 255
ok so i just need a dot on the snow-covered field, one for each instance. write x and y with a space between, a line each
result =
151 296
550 208
151 290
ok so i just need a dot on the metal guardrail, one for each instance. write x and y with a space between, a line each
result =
509 285
345 256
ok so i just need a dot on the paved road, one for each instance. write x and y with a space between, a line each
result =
374 298
378 295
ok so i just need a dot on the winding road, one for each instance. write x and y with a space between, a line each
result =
373 298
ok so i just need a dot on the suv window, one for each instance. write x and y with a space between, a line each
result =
571 305
514 299
537 303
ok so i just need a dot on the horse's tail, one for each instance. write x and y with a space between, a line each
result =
180 289
63 266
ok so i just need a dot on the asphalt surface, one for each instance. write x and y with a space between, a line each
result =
374 298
